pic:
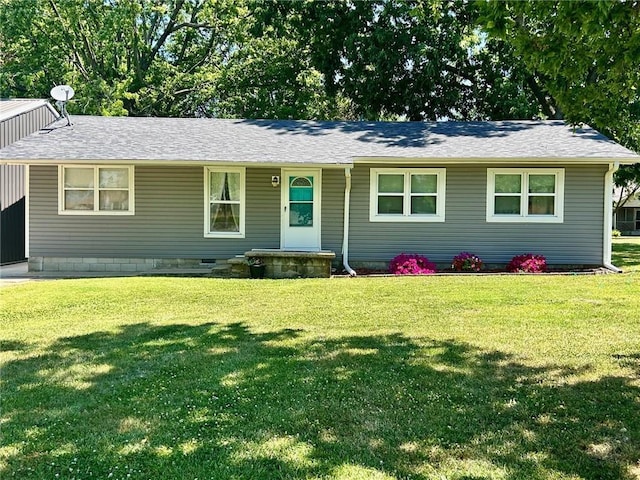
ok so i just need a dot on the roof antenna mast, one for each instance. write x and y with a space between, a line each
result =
63 93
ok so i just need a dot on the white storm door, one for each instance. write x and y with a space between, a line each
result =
300 228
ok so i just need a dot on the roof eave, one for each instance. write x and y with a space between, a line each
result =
171 162
499 160
341 163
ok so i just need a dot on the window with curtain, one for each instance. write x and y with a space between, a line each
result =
225 192
94 189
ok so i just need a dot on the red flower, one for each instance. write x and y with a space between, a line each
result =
411 264
527 263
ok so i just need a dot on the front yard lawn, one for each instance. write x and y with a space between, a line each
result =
626 253
459 377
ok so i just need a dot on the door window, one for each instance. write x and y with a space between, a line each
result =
300 201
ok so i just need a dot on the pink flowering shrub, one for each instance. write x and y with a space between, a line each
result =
527 263
411 264
466 262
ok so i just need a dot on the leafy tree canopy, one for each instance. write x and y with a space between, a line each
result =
377 59
588 54
138 57
407 59
257 58
150 57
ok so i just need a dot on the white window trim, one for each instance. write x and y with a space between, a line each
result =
439 216
96 191
207 204
524 216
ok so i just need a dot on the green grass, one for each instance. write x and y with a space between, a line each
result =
626 253
459 377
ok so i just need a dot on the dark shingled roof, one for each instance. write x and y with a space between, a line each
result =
308 142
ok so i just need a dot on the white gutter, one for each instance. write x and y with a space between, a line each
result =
608 217
345 233
628 158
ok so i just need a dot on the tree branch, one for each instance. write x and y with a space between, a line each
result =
191 25
621 203
163 38
69 40
548 108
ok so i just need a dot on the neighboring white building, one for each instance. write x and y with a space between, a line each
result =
627 219
18 118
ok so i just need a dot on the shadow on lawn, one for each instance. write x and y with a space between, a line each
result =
625 255
215 401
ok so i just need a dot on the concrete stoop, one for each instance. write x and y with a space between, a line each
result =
284 264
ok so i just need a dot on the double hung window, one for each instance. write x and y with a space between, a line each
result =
86 190
224 202
407 195
519 195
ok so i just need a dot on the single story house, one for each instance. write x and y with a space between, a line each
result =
627 220
18 118
123 193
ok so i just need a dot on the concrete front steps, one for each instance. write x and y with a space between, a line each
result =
284 263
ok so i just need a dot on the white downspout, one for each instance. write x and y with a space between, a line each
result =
345 233
608 217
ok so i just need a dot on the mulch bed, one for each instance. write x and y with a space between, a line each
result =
370 272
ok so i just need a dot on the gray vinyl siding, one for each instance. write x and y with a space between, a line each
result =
332 222
169 217
577 241
168 220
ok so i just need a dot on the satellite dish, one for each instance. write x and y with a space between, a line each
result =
63 93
